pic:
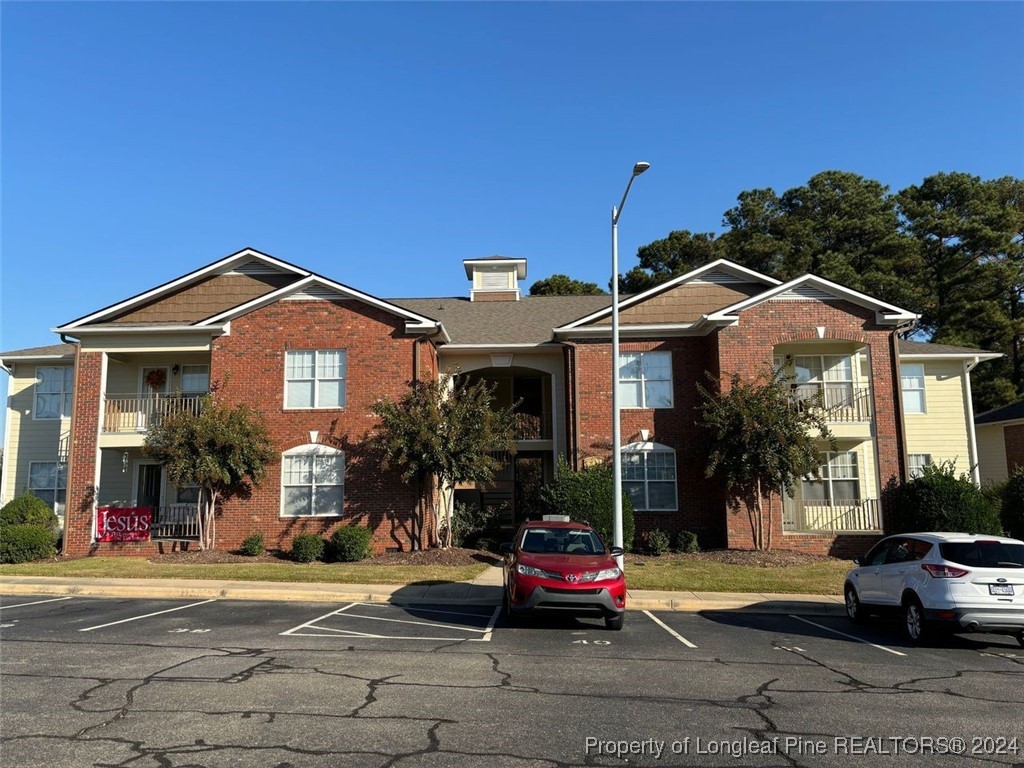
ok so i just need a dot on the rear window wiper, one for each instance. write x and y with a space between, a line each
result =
1007 564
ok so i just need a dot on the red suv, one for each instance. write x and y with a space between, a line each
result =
557 565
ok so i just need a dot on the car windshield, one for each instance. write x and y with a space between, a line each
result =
562 541
984 554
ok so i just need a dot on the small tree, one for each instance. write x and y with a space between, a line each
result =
446 429
939 499
762 443
588 495
221 449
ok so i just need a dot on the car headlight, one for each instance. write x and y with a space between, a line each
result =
608 573
539 573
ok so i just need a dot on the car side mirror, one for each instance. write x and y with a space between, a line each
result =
616 551
506 548
856 561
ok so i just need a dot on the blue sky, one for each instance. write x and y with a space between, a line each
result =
380 144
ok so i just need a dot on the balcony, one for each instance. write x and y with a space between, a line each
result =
836 515
533 426
841 404
134 414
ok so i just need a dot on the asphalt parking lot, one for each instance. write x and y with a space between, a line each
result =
112 682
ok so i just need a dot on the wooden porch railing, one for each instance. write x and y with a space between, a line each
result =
175 522
837 515
533 426
134 413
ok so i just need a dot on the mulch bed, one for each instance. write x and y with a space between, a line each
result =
455 557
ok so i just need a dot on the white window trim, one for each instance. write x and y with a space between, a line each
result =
915 471
647 448
642 380
312 449
826 460
922 389
62 393
56 488
316 389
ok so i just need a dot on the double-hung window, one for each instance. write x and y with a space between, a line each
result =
649 476
916 462
315 378
53 392
912 378
312 481
48 480
645 379
840 479
831 376
195 379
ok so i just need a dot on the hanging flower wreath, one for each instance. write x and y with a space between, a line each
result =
156 378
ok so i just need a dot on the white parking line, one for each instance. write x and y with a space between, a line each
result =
37 602
293 630
843 634
157 613
669 629
490 625
319 631
418 623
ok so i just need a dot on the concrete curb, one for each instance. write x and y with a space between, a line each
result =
479 592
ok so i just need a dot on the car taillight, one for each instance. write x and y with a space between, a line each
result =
944 571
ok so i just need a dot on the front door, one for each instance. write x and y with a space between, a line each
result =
148 483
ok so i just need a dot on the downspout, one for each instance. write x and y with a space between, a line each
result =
572 442
972 440
898 395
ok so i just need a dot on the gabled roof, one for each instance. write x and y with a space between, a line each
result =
920 350
1011 412
814 287
720 269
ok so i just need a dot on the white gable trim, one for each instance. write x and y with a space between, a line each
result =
224 265
885 314
723 265
413 321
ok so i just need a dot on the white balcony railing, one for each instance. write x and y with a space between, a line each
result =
137 413
836 515
839 403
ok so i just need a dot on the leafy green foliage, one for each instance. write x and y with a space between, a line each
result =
24 542
1012 512
222 449
475 526
350 544
307 548
448 429
760 442
656 542
687 543
563 285
941 500
253 545
30 510
588 496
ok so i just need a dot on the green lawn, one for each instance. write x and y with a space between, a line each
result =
825 578
335 573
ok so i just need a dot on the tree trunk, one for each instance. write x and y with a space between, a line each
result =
770 522
201 518
759 544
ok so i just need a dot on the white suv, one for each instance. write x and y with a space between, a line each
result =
958 581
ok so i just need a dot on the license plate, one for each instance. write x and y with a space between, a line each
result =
1000 589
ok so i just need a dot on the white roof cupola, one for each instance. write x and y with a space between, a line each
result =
495 278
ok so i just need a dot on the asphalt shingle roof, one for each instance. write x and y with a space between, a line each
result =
1006 413
49 351
926 348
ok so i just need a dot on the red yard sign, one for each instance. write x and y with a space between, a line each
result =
123 523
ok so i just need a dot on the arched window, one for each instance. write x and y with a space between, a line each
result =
649 476
312 481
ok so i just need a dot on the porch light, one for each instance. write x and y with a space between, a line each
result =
124 463
638 168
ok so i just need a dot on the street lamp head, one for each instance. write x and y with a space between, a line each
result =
640 168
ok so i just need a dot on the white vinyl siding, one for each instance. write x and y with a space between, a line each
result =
912 379
941 431
645 380
312 482
649 477
315 378
54 385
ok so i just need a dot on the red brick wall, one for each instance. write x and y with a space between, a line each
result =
1013 436
746 348
82 457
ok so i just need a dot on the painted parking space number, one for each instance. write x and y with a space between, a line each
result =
591 642
183 629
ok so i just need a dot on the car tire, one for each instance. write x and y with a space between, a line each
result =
917 630
854 609
615 622
1020 639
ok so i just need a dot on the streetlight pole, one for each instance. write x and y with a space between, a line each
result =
616 422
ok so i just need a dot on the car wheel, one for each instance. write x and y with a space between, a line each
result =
914 624
1020 639
854 610
615 622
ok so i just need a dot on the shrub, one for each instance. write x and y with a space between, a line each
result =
23 542
1012 511
587 495
253 545
474 525
940 500
350 544
657 542
686 542
307 547
29 510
